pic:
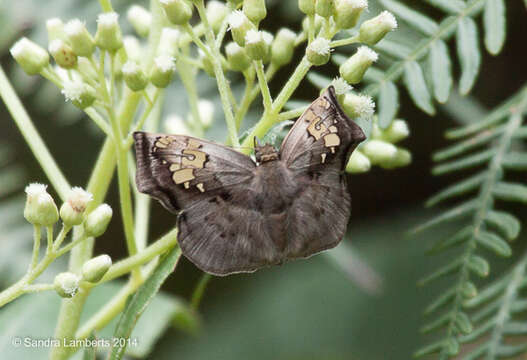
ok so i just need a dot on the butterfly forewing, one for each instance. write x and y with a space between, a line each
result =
316 151
322 137
180 170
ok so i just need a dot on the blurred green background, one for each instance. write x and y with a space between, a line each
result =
312 309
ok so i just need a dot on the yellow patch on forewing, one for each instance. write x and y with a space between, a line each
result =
163 142
318 130
190 160
183 175
195 159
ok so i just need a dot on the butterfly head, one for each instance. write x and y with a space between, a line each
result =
264 152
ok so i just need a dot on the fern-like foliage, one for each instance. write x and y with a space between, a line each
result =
418 53
495 316
486 143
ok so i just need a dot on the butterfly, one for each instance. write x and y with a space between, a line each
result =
238 215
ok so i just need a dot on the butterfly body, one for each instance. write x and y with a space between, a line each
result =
237 215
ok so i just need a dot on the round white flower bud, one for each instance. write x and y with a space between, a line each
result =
358 163
73 209
66 284
319 51
98 220
40 208
94 269
30 56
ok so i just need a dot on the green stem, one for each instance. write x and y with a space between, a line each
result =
113 307
99 121
37 235
98 185
199 291
247 99
32 137
291 114
264 88
188 79
344 42
38 288
223 87
106 5
49 239
270 117
160 246
139 125
60 237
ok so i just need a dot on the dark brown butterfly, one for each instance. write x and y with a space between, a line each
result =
236 215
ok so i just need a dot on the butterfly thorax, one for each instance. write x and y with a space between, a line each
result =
274 187
265 153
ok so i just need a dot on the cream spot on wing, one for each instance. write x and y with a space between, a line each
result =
323 156
331 140
200 187
183 176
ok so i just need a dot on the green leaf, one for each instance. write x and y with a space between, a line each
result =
496 116
465 162
469 290
520 133
460 188
468 53
478 265
440 322
505 223
451 6
456 239
510 350
495 25
393 48
515 328
468 144
441 72
444 298
488 293
463 323
519 305
476 353
413 18
140 300
494 243
478 331
511 192
388 104
435 347
515 161
442 271
451 346
458 212
416 85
